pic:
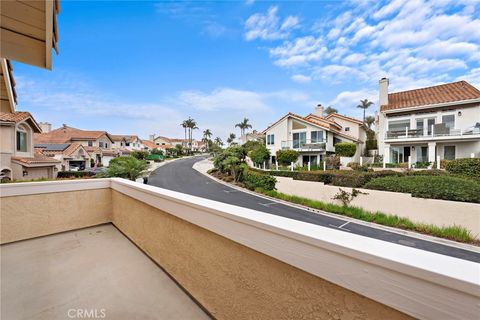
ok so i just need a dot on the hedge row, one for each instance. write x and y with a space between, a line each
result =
74 174
467 167
433 187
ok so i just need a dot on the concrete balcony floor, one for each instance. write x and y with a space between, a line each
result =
94 268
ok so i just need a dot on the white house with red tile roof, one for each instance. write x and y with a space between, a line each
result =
72 156
314 136
424 123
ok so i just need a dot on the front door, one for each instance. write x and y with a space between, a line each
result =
406 154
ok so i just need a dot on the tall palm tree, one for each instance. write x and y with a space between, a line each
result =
231 138
329 110
207 134
184 124
244 125
192 125
219 141
369 120
364 104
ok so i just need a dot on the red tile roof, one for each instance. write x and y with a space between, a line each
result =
149 144
444 93
19 116
336 115
38 158
68 134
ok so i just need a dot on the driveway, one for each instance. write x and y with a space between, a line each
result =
180 176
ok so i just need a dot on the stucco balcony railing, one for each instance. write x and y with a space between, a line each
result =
236 263
307 145
436 131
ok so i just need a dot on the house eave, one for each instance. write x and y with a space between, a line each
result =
430 106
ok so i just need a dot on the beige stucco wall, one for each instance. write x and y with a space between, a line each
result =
231 280
24 217
431 211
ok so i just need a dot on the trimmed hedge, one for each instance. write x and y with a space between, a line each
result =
74 174
469 167
254 180
434 187
345 149
352 179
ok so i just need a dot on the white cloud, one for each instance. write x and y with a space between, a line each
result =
301 78
347 101
354 58
268 27
214 29
223 99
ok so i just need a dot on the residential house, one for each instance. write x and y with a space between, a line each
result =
19 161
314 136
149 145
426 123
128 142
97 143
71 156
119 141
252 136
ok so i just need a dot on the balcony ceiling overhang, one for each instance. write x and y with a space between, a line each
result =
28 31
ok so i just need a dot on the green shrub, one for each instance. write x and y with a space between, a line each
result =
345 149
343 178
357 167
469 167
333 162
74 174
259 154
371 145
422 165
253 180
140 155
286 157
126 167
434 187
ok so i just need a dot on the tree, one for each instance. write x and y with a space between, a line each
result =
189 125
244 125
140 155
127 167
184 124
252 144
286 157
207 134
178 149
330 110
364 104
157 151
345 149
219 141
231 138
259 154
369 121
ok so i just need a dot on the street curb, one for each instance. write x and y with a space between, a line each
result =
420 236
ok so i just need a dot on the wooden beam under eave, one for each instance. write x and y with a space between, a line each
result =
23 49
49 16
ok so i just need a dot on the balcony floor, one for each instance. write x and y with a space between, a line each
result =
93 268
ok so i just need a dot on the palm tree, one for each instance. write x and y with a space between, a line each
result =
364 104
191 125
207 134
330 110
219 141
369 121
184 124
244 125
231 138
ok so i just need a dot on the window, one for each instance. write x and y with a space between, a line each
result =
449 153
422 154
270 139
398 125
21 140
299 139
316 136
347 128
90 143
449 121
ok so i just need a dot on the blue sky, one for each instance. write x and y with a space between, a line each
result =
142 67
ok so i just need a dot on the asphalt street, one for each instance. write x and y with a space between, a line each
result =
180 176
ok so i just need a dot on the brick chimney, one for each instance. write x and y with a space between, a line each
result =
318 110
383 91
45 126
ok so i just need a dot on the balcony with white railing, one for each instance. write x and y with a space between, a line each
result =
435 132
305 145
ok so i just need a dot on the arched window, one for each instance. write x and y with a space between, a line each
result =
22 141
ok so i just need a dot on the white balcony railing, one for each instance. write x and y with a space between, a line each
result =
309 145
439 130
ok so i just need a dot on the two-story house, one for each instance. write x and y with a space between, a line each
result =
71 156
119 142
314 136
18 159
442 120
96 143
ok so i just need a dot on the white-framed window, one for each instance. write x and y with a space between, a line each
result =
270 139
90 143
316 136
22 141
449 120
398 125
347 129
